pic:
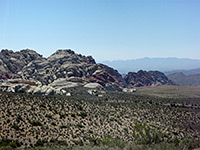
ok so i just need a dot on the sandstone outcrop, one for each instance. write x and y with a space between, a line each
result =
144 78
63 69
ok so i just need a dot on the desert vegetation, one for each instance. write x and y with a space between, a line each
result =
116 120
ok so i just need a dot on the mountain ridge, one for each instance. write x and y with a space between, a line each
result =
185 80
146 63
185 72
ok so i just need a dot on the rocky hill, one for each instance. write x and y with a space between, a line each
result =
185 80
144 78
27 71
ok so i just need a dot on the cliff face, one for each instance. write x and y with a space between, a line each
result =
27 71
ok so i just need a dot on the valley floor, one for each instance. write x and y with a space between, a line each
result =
117 120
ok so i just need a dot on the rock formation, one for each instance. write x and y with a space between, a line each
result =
63 69
27 71
144 78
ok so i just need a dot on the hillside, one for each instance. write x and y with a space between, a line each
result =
185 80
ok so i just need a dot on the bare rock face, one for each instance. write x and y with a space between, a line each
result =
114 73
70 57
144 78
12 62
63 69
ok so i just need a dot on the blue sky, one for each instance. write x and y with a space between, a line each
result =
105 29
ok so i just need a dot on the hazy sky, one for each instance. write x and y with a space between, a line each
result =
105 29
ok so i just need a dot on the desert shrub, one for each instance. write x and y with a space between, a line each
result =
94 140
107 141
90 131
8 121
11 143
15 126
79 125
19 118
48 116
144 134
112 142
9 113
36 123
83 114
116 120
80 107
53 123
58 142
62 143
42 106
126 129
4 142
79 142
62 116
39 143
73 115
63 126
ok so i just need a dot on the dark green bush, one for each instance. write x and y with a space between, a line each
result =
15 126
80 125
144 134
53 123
62 116
107 141
112 142
39 143
8 121
36 123
63 126
73 115
94 140
19 118
11 143
83 114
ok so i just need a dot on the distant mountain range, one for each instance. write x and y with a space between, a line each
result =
185 72
161 64
185 80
